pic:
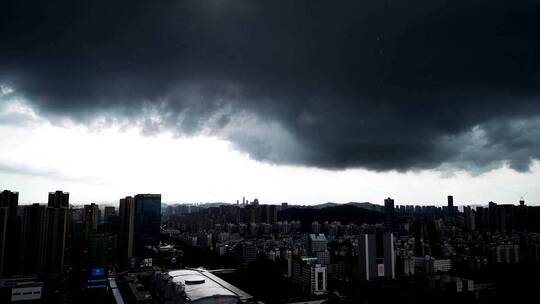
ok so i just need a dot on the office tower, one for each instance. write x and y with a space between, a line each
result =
147 222
126 212
55 229
58 199
32 238
469 217
389 221
367 262
372 262
316 242
9 241
317 247
310 275
450 205
389 256
91 222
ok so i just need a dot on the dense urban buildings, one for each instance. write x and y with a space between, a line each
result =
144 251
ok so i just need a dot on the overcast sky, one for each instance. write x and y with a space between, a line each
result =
298 101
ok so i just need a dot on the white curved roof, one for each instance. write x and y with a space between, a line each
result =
200 284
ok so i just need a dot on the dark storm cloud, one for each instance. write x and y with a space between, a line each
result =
378 84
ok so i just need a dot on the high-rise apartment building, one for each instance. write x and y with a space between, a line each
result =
376 256
389 219
91 222
9 241
450 205
58 199
33 238
269 214
55 229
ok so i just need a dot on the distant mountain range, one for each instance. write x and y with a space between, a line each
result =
363 205
344 213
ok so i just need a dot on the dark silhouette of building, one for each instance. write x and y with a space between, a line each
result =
126 213
254 213
389 219
91 222
140 222
450 205
8 232
58 199
111 220
55 229
269 214
33 238
147 221
43 236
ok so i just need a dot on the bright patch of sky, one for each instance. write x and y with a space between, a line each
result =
113 161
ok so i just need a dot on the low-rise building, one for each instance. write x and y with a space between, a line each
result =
197 286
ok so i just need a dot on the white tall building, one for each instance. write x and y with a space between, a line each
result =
318 279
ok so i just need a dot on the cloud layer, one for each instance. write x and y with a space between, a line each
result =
383 85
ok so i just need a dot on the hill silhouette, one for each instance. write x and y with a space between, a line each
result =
342 213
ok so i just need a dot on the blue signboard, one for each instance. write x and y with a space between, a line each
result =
97 272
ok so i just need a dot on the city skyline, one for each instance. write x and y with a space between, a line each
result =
278 151
140 252
211 101
243 201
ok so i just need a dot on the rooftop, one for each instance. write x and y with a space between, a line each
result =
200 284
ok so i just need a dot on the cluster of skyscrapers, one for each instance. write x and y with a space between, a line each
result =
37 239
33 237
